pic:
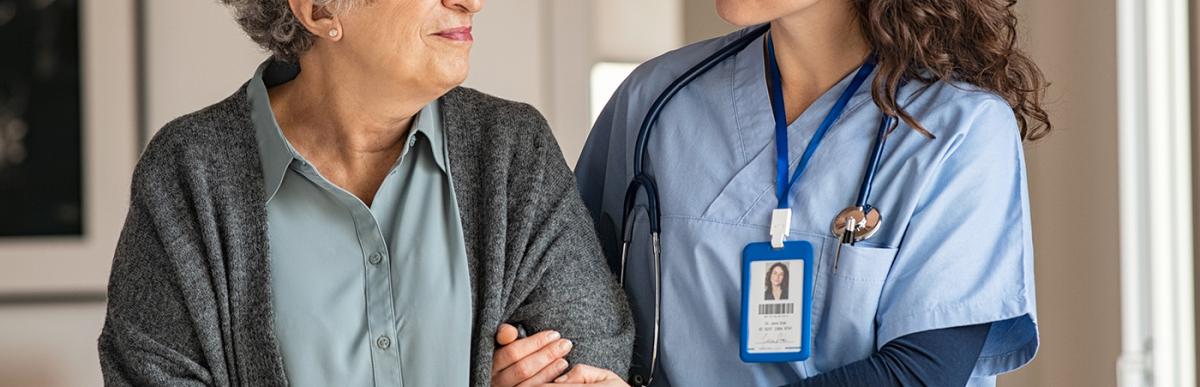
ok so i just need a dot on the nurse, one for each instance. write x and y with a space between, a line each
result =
941 295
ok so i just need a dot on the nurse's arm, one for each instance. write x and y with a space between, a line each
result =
940 357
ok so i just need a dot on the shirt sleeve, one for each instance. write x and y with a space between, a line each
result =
601 174
966 257
943 357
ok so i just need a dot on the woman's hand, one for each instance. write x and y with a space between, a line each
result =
532 361
585 375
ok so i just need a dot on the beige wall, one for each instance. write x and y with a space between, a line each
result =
50 345
702 22
195 56
1195 58
1073 188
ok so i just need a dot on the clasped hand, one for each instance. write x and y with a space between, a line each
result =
541 360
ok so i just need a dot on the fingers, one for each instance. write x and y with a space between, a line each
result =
506 334
556 368
585 374
609 383
515 364
519 349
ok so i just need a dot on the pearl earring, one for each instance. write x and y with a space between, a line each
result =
333 33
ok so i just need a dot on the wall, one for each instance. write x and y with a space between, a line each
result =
1195 159
1073 187
195 56
45 341
702 22
50 344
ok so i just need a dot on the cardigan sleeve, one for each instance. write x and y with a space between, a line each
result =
150 334
575 292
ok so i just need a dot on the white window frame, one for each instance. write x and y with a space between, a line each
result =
1157 317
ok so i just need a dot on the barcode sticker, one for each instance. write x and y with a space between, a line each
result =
786 308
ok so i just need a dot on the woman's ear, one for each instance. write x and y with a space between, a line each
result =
319 20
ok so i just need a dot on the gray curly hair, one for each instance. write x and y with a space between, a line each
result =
271 24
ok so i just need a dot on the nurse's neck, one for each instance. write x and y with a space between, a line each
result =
817 47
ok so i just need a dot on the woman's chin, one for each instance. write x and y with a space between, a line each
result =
449 76
440 81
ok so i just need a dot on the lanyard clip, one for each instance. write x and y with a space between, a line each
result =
781 226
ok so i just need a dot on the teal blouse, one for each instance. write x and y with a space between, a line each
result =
365 295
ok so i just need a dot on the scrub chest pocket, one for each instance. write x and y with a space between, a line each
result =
698 271
846 301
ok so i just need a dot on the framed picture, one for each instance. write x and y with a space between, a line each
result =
68 141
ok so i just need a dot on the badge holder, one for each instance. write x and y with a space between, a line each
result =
777 297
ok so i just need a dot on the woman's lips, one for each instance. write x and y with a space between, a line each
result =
461 34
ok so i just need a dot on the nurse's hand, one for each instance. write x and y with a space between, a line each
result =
584 375
532 361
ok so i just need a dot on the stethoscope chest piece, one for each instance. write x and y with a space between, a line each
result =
859 222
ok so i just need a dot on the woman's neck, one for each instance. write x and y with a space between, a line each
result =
816 48
342 115
345 122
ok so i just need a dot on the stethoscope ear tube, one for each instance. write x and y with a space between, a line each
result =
652 114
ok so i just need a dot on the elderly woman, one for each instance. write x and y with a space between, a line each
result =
351 217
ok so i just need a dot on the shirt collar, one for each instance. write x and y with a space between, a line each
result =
277 154
273 149
428 123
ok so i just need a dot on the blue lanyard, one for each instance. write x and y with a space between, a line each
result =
782 184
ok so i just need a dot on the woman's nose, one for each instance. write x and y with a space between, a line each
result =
468 6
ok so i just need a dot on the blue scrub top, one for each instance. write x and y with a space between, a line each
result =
954 248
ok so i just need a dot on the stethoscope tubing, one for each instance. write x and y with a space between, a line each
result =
682 81
864 190
639 149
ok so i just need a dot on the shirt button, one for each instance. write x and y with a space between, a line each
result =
375 258
383 342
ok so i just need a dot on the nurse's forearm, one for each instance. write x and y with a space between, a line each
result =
943 357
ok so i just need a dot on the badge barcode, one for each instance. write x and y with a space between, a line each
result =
787 308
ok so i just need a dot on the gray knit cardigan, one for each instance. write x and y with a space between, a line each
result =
189 300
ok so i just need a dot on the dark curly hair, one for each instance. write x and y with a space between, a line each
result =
971 41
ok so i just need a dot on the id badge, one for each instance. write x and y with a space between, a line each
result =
776 302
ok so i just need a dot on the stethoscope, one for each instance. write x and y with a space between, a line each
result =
855 223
